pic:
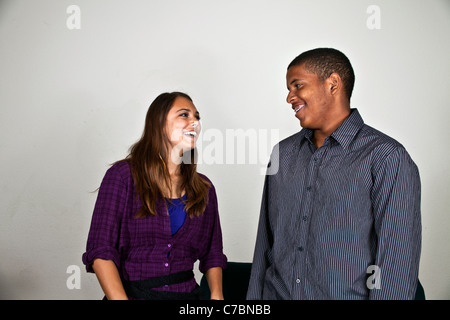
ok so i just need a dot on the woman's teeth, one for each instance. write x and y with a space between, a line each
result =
191 133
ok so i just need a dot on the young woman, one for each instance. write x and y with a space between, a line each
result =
155 216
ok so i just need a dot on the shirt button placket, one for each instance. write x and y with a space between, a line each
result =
313 167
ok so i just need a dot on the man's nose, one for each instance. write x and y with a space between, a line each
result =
290 98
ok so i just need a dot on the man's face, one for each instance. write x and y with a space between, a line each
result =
308 97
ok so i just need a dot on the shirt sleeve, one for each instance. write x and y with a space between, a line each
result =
104 230
214 256
397 220
262 257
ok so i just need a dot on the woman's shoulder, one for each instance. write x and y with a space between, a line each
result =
204 177
120 169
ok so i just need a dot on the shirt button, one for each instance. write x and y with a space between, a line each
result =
305 218
297 280
300 249
166 264
169 245
308 188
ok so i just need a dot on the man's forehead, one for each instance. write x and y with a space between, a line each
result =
299 72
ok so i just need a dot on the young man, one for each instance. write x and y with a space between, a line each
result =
341 217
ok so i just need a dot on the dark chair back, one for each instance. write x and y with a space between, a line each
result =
235 281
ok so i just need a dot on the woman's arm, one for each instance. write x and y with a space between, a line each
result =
214 278
109 279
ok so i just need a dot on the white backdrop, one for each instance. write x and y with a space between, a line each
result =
75 87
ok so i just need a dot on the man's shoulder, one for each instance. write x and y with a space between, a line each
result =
292 140
381 146
378 139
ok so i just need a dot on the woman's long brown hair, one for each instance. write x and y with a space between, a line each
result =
149 170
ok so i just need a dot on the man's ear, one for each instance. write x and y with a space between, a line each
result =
335 84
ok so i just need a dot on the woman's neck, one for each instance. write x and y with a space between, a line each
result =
174 169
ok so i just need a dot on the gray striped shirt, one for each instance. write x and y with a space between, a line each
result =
339 222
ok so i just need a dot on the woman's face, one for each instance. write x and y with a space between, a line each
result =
182 125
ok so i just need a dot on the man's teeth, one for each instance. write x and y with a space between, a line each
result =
298 108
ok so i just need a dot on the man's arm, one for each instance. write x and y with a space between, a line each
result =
396 208
262 256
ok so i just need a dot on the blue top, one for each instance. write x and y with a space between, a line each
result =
177 213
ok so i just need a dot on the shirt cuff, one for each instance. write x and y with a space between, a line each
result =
104 253
219 260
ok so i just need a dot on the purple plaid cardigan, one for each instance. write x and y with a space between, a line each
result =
143 248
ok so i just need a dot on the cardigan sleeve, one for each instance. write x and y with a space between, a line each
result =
103 235
214 256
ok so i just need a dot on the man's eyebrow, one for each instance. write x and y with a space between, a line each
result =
295 80
292 82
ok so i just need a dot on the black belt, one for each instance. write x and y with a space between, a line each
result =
142 289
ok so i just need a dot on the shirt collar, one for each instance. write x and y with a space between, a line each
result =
346 132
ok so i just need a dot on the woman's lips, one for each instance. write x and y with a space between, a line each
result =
190 134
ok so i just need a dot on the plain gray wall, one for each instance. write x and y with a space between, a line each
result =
72 101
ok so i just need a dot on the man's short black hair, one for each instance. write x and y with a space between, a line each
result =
323 62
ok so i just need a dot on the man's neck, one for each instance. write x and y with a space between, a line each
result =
319 135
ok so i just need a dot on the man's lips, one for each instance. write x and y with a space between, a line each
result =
297 107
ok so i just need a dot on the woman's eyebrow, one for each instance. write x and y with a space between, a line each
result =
188 110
